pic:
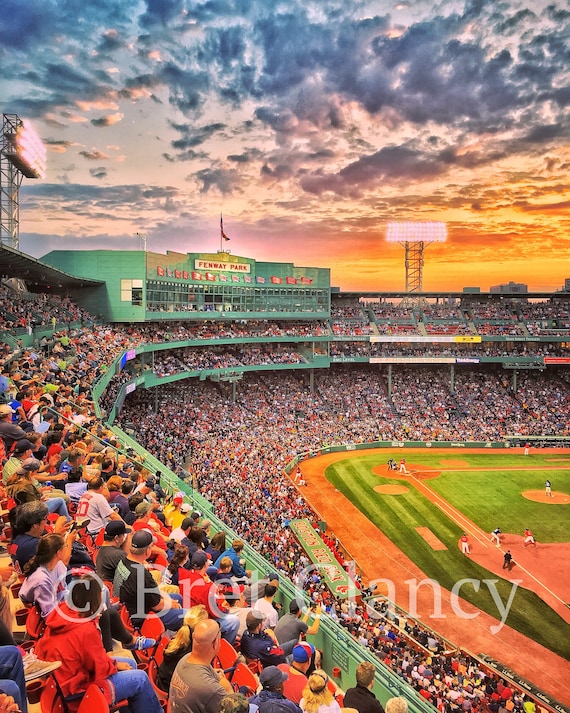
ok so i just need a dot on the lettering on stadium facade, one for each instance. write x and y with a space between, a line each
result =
217 266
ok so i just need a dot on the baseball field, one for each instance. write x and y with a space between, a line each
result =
404 527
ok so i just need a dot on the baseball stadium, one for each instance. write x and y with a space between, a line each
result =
381 452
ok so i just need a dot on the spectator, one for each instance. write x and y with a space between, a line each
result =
265 606
293 687
179 646
72 636
195 684
361 696
271 699
93 506
257 645
292 626
396 705
234 553
197 588
317 698
112 550
135 587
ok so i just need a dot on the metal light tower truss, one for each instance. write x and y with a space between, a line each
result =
414 237
21 154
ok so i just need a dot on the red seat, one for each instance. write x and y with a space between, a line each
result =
126 619
35 623
226 658
153 677
159 653
51 699
153 628
93 701
244 678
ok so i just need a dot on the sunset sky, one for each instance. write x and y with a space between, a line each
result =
310 125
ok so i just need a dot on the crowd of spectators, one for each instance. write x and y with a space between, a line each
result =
239 449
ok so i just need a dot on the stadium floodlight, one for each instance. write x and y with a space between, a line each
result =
24 149
414 236
22 153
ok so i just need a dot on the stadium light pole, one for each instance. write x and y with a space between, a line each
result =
22 154
414 236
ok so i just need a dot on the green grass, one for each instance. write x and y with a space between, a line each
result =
489 499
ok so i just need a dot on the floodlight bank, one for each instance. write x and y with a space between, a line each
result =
416 232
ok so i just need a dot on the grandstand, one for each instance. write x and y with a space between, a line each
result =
182 353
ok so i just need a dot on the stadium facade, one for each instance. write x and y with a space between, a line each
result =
140 286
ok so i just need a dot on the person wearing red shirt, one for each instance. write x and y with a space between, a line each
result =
72 637
197 588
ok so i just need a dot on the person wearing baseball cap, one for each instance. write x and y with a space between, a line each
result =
113 549
138 591
294 624
197 588
271 697
173 512
22 449
9 432
302 656
256 644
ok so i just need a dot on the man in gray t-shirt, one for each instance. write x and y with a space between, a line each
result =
196 687
292 625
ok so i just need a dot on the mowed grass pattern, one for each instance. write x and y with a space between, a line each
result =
481 496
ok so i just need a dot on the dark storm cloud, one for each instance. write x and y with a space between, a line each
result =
104 121
490 70
198 136
279 172
110 42
93 155
22 24
226 181
187 88
189 155
74 196
99 173
161 12
390 163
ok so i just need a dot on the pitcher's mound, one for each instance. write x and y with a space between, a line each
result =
539 496
391 489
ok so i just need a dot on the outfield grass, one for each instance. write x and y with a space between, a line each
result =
490 499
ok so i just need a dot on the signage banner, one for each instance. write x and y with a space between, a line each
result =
432 339
326 564
220 266
522 683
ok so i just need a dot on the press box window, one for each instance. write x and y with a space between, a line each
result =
132 291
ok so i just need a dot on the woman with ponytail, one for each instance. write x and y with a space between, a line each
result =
179 559
316 695
45 573
180 645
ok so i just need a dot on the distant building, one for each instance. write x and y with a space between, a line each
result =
567 284
511 288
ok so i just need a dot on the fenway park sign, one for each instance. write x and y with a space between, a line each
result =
220 266
324 562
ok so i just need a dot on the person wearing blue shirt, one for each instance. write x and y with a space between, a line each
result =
234 553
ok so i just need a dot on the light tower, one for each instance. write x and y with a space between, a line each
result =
22 153
414 237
